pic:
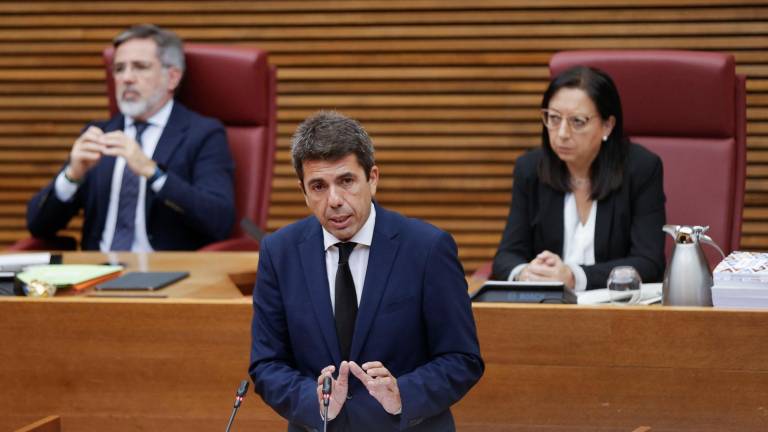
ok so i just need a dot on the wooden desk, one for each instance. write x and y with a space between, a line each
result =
174 364
212 274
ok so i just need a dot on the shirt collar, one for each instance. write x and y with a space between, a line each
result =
364 236
160 119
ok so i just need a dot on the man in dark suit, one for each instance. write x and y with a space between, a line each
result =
156 176
362 293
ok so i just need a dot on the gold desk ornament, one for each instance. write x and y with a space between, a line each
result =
40 288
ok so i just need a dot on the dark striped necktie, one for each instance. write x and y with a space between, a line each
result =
126 206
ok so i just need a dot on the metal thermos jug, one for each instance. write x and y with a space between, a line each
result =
688 280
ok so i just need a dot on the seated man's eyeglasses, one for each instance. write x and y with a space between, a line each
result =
136 66
553 119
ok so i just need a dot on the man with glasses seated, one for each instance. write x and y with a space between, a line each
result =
588 200
157 175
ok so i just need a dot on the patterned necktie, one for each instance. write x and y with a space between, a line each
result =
126 206
346 300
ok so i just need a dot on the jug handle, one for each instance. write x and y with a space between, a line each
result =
708 240
671 230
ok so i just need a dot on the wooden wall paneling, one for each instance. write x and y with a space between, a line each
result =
449 90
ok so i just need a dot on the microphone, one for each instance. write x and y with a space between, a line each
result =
326 391
327 388
241 391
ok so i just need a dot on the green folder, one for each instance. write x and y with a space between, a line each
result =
75 276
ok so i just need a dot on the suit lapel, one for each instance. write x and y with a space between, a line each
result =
550 218
380 260
603 222
312 256
174 132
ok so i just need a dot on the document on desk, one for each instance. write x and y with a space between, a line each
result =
650 293
16 262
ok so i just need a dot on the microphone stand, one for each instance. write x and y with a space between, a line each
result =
241 391
326 401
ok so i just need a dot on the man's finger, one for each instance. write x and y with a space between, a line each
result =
378 372
114 133
89 156
92 133
113 151
358 372
93 129
326 371
113 142
380 383
373 364
343 378
89 146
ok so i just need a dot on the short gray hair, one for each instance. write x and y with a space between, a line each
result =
170 49
331 136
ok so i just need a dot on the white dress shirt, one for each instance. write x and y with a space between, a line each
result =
65 190
358 259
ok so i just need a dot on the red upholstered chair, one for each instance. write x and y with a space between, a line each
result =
690 109
237 86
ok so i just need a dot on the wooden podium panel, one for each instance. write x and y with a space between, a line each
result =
130 361
127 364
566 368
48 424
173 364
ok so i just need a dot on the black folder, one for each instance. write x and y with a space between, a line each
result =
142 281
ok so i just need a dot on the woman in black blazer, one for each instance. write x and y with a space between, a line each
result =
588 200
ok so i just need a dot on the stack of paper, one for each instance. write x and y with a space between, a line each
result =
741 280
16 262
75 276
650 293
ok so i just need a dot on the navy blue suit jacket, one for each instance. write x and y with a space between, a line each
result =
414 316
627 229
195 206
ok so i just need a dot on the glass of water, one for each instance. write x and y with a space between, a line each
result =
624 286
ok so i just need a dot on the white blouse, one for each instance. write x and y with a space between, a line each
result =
578 238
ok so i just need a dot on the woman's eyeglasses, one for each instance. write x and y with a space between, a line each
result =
553 119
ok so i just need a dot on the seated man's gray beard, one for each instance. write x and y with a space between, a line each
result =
132 108
137 108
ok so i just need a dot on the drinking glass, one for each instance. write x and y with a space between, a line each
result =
624 286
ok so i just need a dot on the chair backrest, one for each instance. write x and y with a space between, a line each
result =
690 109
237 86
